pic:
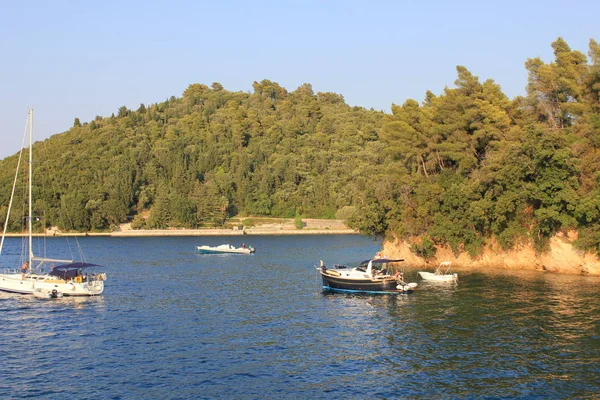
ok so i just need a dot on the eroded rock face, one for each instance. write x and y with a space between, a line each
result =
562 258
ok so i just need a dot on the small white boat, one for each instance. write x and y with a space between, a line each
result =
225 248
43 293
438 275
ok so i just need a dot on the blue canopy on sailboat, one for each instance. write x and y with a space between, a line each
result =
70 270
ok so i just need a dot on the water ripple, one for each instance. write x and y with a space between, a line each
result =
177 325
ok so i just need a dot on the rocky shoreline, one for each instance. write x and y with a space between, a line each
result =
562 258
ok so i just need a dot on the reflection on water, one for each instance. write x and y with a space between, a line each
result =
175 324
516 334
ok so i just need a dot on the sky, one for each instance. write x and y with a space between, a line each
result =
79 59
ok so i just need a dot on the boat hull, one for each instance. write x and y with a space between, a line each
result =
13 283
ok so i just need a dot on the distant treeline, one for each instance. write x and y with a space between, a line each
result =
458 169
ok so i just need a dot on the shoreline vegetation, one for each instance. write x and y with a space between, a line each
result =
272 226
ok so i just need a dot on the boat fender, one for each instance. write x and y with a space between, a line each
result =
54 294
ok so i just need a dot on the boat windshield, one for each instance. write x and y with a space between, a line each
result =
376 261
378 264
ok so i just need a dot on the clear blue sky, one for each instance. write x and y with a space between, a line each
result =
80 59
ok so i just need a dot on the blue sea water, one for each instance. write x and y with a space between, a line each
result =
173 324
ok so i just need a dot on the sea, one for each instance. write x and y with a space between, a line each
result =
175 324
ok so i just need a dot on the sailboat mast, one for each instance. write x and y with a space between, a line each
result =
30 219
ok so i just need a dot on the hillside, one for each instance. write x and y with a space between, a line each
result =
196 161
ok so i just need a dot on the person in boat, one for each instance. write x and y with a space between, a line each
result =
380 272
24 269
243 245
322 265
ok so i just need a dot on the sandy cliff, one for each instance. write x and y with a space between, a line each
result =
562 258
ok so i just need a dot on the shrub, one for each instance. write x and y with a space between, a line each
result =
425 249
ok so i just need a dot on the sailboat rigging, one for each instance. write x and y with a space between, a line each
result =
64 277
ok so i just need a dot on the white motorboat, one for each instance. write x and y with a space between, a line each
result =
438 275
225 248
44 275
371 276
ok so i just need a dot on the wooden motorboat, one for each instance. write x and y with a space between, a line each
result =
370 276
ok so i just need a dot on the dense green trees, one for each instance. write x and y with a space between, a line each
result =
196 160
461 168
482 166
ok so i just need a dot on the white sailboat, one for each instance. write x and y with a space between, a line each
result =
45 275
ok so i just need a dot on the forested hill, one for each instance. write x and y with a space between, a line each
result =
459 168
195 160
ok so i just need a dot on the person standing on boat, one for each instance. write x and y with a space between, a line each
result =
24 268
